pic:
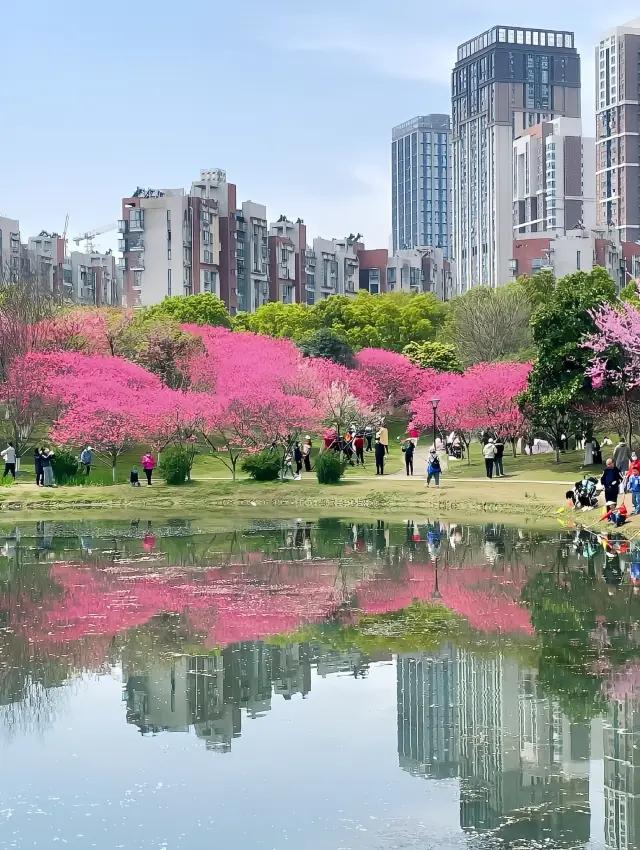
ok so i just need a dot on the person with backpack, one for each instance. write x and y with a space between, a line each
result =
433 468
408 447
497 461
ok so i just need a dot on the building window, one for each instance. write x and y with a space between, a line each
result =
168 219
169 251
168 281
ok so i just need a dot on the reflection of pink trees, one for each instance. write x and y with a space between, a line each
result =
488 602
250 601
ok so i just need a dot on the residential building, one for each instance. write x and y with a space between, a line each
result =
422 270
287 261
43 256
213 186
9 247
170 245
554 183
505 80
93 279
617 131
372 266
255 252
336 265
421 183
578 250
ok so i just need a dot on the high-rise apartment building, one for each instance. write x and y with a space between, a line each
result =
617 131
505 80
9 247
287 261
421 183
554 182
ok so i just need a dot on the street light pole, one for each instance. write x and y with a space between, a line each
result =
434 403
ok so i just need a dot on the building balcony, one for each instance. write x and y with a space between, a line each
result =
121 264
136 226
122 225
135 244
136 263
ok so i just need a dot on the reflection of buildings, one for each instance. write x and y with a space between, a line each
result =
622 775
427 713
523 766
208 692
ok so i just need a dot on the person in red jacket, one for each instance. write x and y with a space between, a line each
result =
358 444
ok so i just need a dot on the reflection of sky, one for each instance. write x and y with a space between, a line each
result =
320 774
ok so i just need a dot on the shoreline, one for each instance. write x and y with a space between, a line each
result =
513 501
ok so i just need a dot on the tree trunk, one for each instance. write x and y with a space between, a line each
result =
114 460
557 451
627 410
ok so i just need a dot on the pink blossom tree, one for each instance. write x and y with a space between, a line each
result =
396 379
112 422
344 395
615 347
493 389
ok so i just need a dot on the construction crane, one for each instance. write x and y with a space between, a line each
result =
90 235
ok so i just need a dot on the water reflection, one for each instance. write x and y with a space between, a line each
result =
517 654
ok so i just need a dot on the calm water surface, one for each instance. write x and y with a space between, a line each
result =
328 685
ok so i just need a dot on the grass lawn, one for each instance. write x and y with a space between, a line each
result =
541 467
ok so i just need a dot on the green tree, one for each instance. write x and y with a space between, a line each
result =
538 288
293 321
487 324
328 344
558 381
203 309
433 355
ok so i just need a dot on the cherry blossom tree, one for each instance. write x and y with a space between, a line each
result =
493 391
344 396
397 380
615 347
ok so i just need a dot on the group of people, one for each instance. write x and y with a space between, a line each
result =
614 482
301 456
42 462
493 453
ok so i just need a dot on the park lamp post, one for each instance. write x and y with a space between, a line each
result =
434 403
436 590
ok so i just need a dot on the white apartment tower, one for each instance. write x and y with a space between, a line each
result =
554 181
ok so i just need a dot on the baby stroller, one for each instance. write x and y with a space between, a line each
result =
584 493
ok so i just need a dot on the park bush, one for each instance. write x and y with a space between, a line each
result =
330 467
175 465
264 466
65 466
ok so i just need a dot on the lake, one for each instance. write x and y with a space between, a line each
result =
329 685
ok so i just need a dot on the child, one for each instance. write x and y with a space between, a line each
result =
618 516
133 478
634 488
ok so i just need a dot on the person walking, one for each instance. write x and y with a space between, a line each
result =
358 444
47 468
489 454
37 466
297 456
86 459
384 437
433 468
9 457
148 464
497 462
408 448
306 453
368 435
414 436
611 481
380 454
622 455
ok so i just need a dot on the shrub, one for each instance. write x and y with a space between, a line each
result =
174 466
65 466
330 467
264 466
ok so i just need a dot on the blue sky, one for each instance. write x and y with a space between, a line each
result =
295 100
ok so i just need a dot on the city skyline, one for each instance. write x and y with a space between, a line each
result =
86 174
